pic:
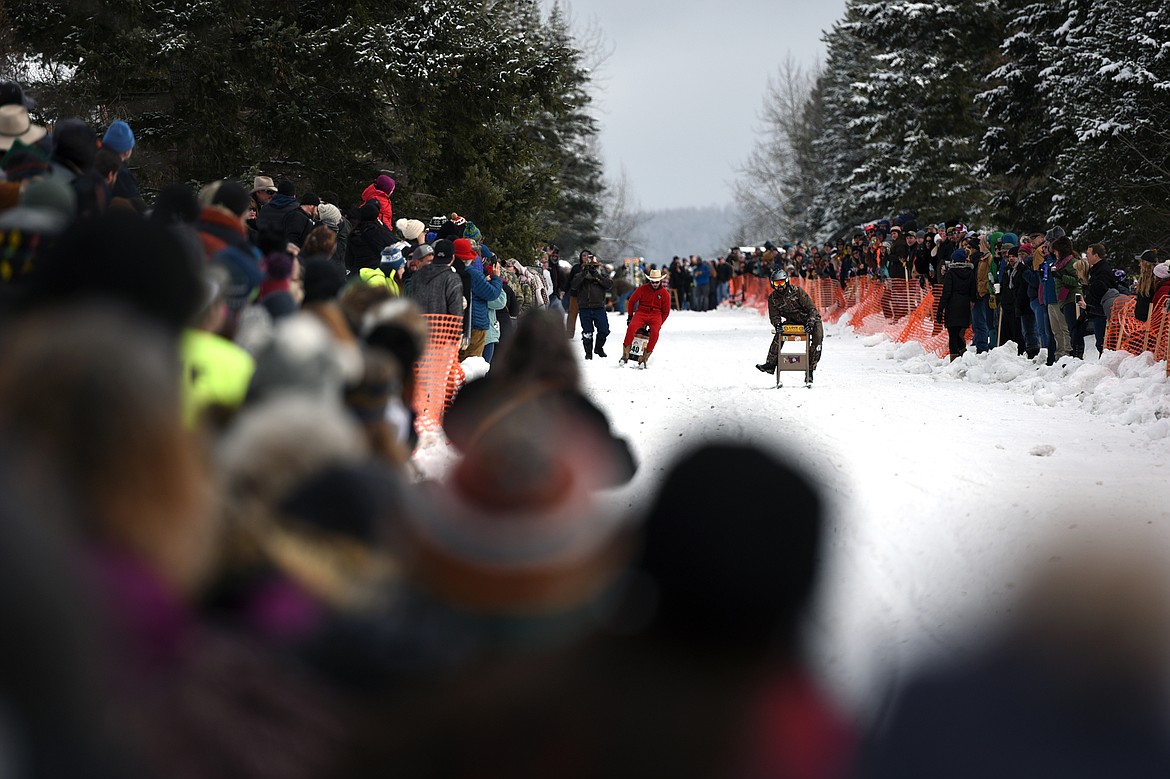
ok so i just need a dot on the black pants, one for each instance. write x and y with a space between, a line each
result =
957 339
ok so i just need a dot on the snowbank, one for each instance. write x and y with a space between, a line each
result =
1130 390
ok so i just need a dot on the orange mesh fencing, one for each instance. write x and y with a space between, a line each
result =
1122 310
1160 332
438 374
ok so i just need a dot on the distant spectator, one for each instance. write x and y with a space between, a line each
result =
119 138
380 192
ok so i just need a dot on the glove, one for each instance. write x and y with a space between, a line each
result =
810 327
629 321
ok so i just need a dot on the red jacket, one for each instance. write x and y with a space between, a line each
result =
648 301
385 209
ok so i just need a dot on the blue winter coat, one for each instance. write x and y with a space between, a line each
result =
1048 279
701 274
482 291
1031 278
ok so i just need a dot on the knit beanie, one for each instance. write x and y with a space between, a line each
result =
119 137
323 280
464 250
411 229
369 211
278 265
1162 270
384 184
959 255
329 214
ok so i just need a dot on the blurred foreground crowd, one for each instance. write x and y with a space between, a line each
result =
216 560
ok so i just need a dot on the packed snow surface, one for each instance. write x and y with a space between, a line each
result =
946 480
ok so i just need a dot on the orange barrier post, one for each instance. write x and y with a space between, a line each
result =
438 374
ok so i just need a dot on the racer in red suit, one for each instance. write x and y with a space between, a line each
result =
650 305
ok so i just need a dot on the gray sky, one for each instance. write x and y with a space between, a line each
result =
679 97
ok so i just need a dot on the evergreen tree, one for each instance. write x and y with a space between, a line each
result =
915 107
1109 78
451 96
1025 131
578 210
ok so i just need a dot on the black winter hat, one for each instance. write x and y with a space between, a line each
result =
121 257
286 187
1149 255
444 252
310 199
736 575
369 211
323 280
232 196
12 93
75 143
1055 234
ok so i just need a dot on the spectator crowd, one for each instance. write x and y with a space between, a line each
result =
218 560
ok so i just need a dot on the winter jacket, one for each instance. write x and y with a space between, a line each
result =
920 258
1048 290
437 290
1014 288
791 304
493 328
376 277
365 245
343 230
218 230
959 292
650 302
1157 301
590 287
983 276
1031 279
1067 283
1101 280
283 214
126 187
482 291
385 209
723 272
900 266
572 287
701 274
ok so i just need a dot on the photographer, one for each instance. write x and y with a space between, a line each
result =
589 288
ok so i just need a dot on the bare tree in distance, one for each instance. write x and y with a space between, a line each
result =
622 219
775 183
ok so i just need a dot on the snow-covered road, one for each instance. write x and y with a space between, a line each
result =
945 478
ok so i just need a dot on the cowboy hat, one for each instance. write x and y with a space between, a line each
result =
15 125
655 275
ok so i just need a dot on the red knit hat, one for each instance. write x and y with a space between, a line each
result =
464 250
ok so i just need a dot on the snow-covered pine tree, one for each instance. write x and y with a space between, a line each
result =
1024 131
578 209
915 107
1110 76
838 147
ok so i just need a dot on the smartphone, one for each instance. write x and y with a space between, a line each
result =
1079 298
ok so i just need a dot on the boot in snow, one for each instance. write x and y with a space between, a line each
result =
625 355
598 350
588 343
644 359
767 367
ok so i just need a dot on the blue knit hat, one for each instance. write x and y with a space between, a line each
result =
119 137
959 255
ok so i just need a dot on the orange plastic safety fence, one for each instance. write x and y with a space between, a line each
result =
1160 332
438 374
1122 310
